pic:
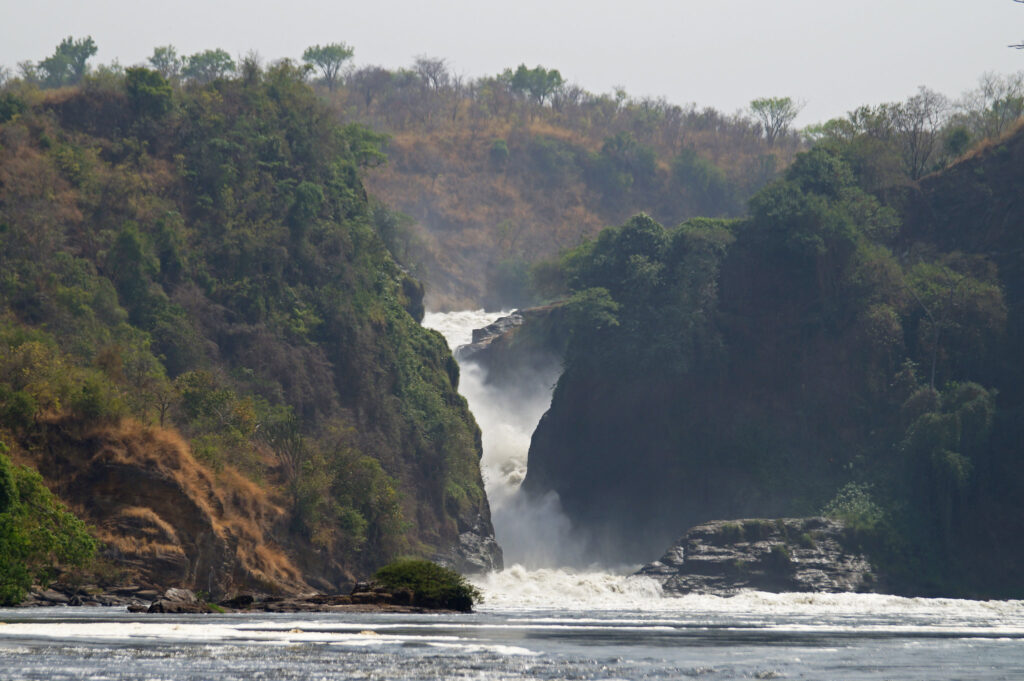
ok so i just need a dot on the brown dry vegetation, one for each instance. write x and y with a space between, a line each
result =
163 515
474 214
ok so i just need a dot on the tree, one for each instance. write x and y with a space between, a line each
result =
918 123
329 59
433 71
775 114
68 64
167 62
37 533
371 82
207 66
149 92
995 104
539 83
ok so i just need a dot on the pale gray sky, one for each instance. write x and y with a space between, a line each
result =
722 53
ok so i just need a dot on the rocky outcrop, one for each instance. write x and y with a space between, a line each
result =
781 555
476 551
482 338
526 342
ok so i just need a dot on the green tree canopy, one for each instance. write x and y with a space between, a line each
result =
329 59
68 64
539 83
166 61
207 66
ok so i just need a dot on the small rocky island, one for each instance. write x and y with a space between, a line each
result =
723 557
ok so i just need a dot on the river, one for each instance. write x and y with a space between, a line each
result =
539 619
538 625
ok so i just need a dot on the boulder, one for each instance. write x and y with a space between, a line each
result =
180 596
724 557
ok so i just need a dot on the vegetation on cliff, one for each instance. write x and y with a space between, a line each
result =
201 257
848 347
37 534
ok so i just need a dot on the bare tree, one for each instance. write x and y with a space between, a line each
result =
918 123
370 82
995 105
433 71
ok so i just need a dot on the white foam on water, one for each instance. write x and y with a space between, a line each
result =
519 588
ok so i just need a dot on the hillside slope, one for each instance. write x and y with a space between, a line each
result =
829 353
207 348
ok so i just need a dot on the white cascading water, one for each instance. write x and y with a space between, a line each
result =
542 556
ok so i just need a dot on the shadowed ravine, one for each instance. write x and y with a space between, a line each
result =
533 532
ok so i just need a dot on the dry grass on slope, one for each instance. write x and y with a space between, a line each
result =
164 515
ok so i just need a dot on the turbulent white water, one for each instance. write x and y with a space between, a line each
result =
552 625
532 531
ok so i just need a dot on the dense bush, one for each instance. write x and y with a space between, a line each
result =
431 585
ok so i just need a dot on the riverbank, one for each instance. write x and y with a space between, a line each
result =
364 598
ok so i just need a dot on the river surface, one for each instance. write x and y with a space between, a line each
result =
539 619
538 625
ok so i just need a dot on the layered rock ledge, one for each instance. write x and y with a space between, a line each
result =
724 557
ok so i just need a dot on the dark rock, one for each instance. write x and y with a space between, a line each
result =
239 602
166 606
362 586
137 607
76 600
786 554
371 598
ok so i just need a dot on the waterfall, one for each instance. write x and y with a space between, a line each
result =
533 532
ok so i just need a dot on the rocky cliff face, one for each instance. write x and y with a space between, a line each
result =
780 555
531 340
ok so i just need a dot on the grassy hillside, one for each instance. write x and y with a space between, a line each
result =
495 177
203 334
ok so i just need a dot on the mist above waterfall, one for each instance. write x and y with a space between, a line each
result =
532 530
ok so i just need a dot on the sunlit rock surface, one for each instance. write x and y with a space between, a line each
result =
778 555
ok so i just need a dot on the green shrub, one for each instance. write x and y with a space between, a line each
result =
780 556
806 541
37 533
854 505
732 532
431 585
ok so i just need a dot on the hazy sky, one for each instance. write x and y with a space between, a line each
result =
722 53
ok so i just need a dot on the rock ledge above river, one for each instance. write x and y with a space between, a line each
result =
723 557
